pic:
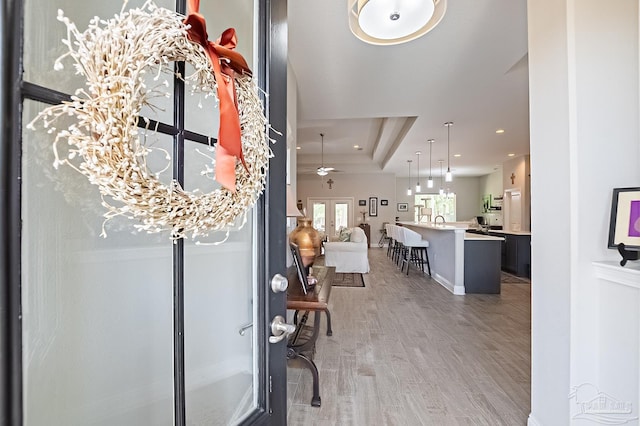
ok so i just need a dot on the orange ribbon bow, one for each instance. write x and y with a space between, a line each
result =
225 62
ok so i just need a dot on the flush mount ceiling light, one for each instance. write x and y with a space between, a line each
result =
387 22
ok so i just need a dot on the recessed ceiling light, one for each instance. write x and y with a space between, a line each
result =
356 146
511 155
298 147
500 131
457 155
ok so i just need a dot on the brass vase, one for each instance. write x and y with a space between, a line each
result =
307 239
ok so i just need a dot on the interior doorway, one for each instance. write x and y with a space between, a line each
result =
330 214
512 210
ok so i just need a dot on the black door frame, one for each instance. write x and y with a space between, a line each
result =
270 209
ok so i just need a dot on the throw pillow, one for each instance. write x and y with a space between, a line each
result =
344 235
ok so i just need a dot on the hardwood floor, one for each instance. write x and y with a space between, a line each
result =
405 351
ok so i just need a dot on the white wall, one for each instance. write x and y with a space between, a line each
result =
492 183
584 115
358 186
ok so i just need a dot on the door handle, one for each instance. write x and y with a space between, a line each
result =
244 328
280 329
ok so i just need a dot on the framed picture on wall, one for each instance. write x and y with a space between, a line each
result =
384 202
362 202
300 269
373 206
403 207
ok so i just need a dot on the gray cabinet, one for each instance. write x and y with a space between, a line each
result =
482 266
516 254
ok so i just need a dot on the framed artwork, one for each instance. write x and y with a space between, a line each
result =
403 207
373 206
384 202
362 202
297 261
624 225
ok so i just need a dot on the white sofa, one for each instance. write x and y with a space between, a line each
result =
348 256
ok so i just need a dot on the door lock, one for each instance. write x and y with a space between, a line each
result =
279 283
280 329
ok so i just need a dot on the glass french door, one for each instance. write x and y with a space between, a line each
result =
331 214
134 329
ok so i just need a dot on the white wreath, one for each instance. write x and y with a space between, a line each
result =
114 55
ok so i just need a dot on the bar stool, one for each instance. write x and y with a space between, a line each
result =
387 230
416 250
399 248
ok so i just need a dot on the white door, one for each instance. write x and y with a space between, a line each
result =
330 214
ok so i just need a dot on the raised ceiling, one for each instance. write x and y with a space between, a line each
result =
471 69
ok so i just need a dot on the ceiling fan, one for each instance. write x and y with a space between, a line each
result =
322 170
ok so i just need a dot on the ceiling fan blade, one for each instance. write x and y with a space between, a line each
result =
329 169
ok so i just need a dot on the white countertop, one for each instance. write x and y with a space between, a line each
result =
437 227
459 226
468 236
502 231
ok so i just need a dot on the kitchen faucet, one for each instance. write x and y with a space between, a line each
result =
435 220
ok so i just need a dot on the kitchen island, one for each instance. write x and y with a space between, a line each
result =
462 262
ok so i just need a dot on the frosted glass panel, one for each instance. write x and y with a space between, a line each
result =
219 294
97 313
43 35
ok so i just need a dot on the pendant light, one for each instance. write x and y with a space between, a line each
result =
449 176
409 188
441 191
418 188
430 181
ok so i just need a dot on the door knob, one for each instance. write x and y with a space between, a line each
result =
279 283
280 329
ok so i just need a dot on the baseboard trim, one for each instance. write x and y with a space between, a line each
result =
455 289
531 421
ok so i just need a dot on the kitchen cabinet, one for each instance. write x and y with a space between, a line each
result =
516 253
481 265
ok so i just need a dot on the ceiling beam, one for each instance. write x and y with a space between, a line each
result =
406 126
376 144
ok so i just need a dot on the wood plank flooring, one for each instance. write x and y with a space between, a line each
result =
405 351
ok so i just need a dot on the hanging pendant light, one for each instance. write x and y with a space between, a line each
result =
409 188
430 181
418 188
448 176
441 191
